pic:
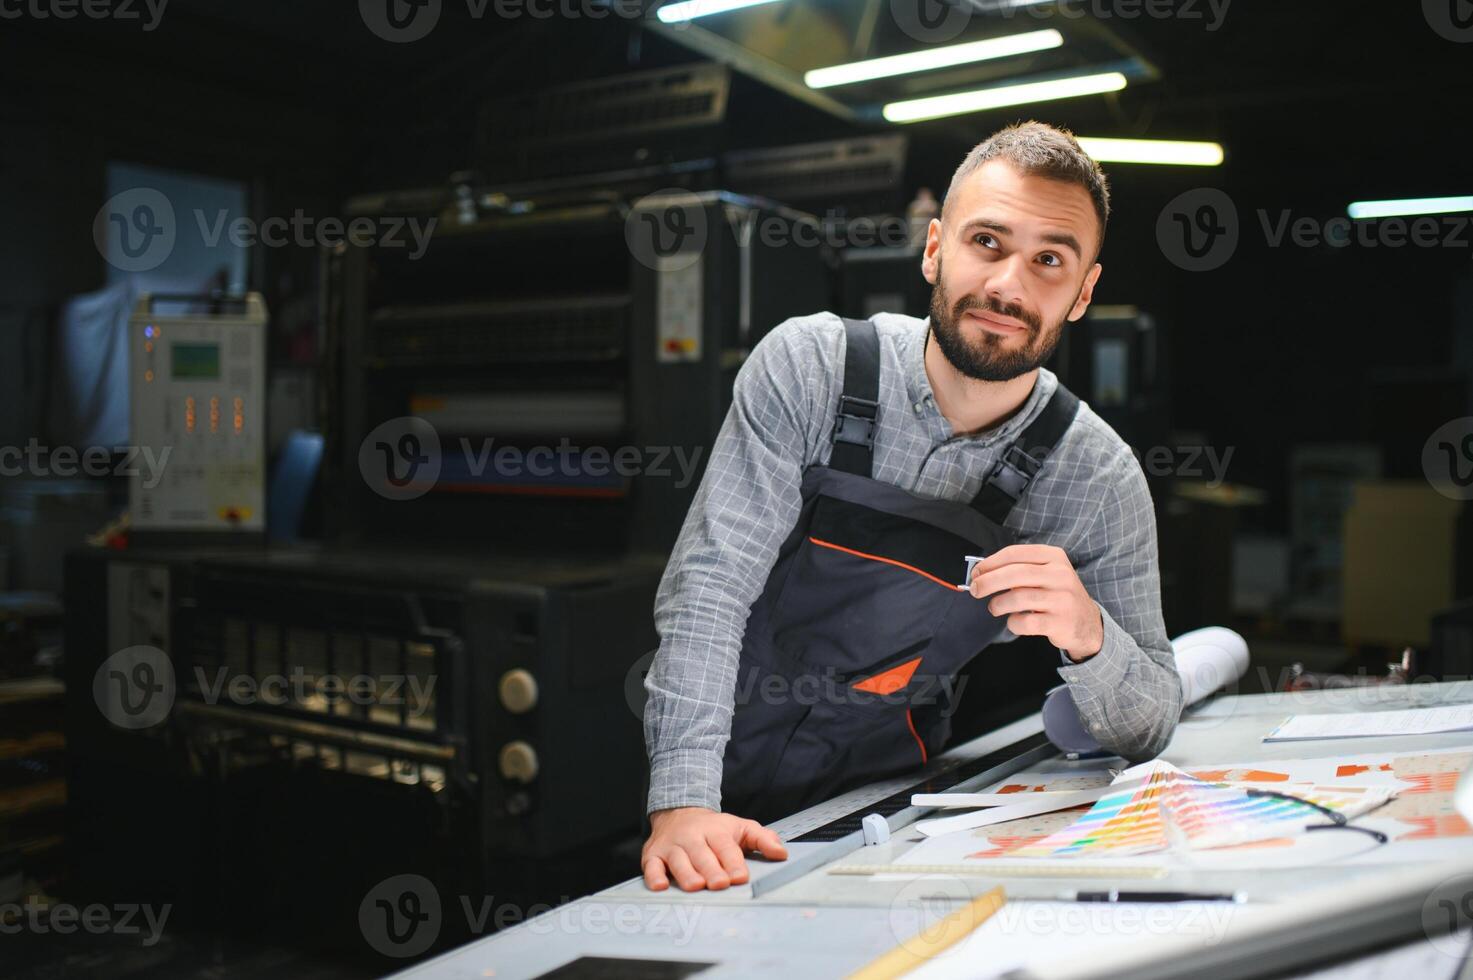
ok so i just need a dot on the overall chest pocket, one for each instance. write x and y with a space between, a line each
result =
840 743
864 586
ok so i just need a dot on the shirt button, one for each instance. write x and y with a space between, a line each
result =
918 408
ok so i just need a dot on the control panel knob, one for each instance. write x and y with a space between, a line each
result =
518 761
518 691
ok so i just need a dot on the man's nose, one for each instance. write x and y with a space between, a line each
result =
1005 285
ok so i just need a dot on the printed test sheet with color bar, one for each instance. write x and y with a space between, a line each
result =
1197 815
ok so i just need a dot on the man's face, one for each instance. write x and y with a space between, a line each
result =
1019 257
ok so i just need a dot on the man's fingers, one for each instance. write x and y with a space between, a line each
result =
654 874
707 866
1023 600
1015 576
1031 554
756 837
685 875
730 856
1028 624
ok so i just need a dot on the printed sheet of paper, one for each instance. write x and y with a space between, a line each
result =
1408 721
1018 805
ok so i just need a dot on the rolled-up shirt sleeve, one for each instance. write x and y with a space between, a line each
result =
1129 694
748 501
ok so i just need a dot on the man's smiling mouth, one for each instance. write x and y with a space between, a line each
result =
997 323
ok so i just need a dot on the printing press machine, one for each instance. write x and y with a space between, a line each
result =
524 592
592 291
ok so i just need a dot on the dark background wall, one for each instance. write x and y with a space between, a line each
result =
1317 103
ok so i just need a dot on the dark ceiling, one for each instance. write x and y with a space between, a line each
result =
1310 85
1318 102
1212 55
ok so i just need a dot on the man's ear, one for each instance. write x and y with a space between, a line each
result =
1086 293
931 255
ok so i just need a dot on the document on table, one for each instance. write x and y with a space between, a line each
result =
1408 721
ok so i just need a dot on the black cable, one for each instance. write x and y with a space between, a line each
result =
1338 820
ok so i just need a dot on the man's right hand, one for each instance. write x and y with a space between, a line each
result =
700 848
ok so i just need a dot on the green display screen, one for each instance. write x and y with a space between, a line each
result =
195 361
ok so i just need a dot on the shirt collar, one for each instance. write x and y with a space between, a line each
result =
918 386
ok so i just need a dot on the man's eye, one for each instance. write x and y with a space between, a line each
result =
1049 258
987 241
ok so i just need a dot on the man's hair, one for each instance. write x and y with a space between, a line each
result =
1037 149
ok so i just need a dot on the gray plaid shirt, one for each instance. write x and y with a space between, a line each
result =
1090 499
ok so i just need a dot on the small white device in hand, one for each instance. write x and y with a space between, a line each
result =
972 561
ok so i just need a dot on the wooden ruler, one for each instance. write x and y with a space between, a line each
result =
933 940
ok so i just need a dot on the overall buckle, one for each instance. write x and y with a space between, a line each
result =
1014 470
856 421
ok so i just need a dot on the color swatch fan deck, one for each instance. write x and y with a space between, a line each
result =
1158 807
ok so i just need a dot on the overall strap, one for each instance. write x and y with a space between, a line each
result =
859 405
1021 459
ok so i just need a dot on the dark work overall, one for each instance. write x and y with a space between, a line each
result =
861 622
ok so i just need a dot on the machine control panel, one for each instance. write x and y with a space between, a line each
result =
198 387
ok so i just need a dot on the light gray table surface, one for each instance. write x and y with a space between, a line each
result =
825 925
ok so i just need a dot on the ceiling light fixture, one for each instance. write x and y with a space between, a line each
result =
936 106
1401 209
675 13
1182 153
928 59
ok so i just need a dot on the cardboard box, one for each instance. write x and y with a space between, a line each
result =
1399 562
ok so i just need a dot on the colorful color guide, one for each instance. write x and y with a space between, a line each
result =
1159 807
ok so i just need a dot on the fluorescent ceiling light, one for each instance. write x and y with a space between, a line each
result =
928 58
1178 152
1397 209
933 107
674 13
956 103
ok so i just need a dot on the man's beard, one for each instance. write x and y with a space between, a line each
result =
985 359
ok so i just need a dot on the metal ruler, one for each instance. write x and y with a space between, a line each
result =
843 832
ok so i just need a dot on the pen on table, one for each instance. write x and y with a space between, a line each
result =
1115 895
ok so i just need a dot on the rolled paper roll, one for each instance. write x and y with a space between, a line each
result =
1208 660
1062 725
